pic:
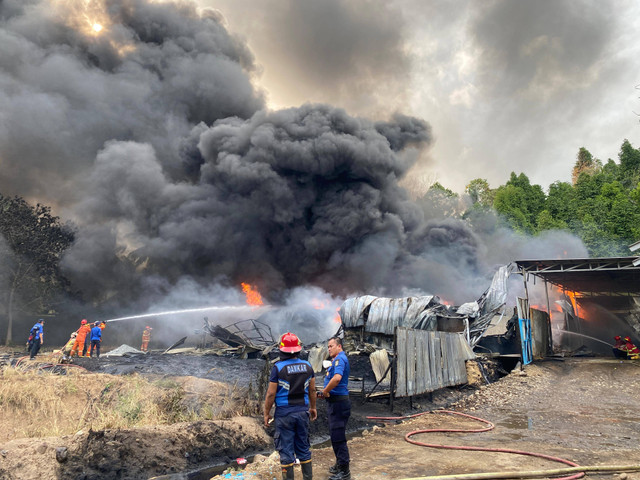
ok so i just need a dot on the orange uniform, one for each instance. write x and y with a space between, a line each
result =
146 336
78 345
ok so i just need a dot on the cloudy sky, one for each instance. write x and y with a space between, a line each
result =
506 85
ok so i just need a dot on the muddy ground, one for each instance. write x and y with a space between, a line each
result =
582 409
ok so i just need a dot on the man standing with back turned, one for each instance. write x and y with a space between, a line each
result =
338 407
292 385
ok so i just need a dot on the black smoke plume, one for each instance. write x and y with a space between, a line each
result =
141 122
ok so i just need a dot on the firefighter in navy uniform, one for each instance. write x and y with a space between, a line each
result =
292 387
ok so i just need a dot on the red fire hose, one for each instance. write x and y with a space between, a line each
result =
490 426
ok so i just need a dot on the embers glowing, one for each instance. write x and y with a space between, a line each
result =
253 295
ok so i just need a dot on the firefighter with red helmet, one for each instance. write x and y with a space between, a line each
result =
79 347
619 348
146 337
632 351
292 387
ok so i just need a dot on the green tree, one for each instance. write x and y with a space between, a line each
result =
585 163
480 192
560 201
546 221
620 213
34 241
520 202
511 204
629 164
440 202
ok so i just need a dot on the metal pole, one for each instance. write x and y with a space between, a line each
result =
550 331
526 289
394 369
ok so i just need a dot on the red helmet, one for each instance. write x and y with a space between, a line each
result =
627 339
290 343
148 327
617 337
83 322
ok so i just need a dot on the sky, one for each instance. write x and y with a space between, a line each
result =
196 146
505 85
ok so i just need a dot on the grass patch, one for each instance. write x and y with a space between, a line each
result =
41 404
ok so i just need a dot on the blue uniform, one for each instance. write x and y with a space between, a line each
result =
96 338
34 346
339 407
292 409
339 366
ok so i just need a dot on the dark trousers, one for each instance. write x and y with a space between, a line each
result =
35 348
87 343
95 343
292 437
338 414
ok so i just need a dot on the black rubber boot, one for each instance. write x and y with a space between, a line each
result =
307 470
287 473
343 473
334 468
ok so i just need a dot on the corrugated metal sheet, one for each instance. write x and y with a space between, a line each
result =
352 310
382 315
428 361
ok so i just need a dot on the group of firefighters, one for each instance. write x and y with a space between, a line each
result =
625 348
82 341
85 339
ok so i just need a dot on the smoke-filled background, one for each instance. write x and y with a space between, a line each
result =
149 126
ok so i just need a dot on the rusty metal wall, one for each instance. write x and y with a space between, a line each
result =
429 360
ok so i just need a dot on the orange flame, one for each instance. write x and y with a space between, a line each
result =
572 297
320 305
317 304
253 295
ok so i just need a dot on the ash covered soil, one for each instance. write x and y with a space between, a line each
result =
581 409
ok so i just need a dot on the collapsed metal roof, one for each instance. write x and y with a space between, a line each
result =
382 315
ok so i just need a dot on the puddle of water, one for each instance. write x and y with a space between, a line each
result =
518 422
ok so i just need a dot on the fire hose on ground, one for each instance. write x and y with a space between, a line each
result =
577 471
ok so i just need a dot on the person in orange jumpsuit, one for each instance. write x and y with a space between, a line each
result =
79 345
146 336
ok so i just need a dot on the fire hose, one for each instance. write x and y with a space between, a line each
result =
575 469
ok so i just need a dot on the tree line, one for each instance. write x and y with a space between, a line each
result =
601 205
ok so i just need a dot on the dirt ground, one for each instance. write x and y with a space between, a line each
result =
582 409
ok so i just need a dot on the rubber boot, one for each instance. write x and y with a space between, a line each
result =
287 472
334 468
307 470
343 474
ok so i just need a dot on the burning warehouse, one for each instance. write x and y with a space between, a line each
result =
588 301
375 318
428 340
